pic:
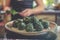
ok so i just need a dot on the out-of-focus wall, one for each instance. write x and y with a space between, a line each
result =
3 2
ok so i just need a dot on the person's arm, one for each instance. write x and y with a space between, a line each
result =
7 5
39 8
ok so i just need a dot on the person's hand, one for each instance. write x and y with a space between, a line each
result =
6 8
26 12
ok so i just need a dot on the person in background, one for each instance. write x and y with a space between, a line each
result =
25 8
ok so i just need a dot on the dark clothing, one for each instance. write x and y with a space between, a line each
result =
47 36
21 5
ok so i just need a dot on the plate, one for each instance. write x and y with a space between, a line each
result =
52 27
